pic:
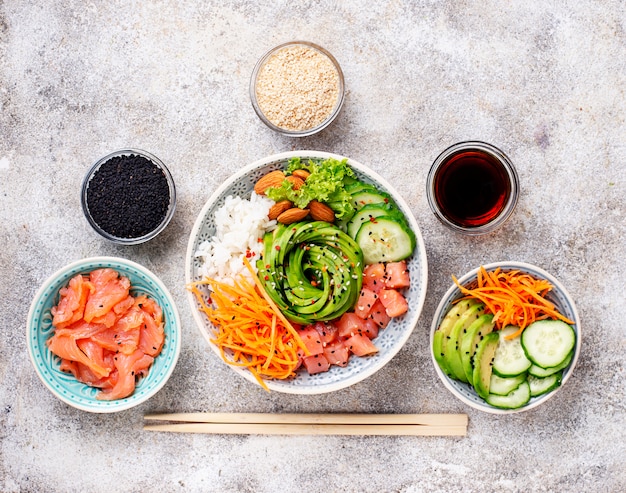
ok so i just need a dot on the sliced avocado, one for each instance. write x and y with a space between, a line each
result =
483 359
442 333
482 326
438 344
453 353
311 270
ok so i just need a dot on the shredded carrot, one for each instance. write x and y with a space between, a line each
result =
250 331
514 298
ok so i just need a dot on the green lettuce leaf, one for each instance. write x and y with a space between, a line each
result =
326 184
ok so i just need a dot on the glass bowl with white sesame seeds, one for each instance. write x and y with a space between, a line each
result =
297 88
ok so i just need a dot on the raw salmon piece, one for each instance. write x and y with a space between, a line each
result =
72 302
150 306
124 305
65 347
80 330
124 341
69 366
128 365
110 289
95 352
108 319
151 335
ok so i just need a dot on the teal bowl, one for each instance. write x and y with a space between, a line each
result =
63 385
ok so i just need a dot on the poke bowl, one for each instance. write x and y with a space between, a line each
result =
496 356
241 187
60 374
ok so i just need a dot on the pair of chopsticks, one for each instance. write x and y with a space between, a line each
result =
309 424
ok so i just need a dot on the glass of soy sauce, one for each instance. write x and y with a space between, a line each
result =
472 187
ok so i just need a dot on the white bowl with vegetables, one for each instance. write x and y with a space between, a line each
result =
326 292
505 337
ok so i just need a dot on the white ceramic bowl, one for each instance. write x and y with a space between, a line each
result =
63 385
559 296
389 341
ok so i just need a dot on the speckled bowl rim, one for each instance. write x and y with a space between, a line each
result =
79 395
284 131
459 389
419 256
170 183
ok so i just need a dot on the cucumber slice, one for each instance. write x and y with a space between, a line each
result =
510 359
452 353
482 364
518 398
505 385
368 213
475 332
385 240
540 386
443 333
547 343
373 196
537 371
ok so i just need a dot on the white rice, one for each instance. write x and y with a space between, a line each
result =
240 225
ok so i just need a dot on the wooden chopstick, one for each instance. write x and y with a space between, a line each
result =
311 424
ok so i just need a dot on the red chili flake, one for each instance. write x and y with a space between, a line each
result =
372 219
267 278
277 247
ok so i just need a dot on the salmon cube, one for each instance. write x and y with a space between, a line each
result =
395 304
361 345
316 363
379 314
397 275
337 353
366 301
374 277
327 332
311 339
349 323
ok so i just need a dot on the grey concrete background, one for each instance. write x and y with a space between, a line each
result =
544 81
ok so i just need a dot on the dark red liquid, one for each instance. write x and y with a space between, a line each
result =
471 188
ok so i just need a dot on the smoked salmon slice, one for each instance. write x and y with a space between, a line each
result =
110 289
106 337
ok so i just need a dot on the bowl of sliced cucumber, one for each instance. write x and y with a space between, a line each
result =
505 337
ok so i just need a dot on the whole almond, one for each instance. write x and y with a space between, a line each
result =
321 212
272 179
301 173
295 181
292 215
278 208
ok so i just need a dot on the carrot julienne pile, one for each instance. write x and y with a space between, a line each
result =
514 298
251 331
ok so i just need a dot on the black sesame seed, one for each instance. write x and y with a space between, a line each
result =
128 196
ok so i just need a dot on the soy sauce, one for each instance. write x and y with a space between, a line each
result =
471 188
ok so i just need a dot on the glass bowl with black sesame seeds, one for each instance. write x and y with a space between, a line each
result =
297 88
128 196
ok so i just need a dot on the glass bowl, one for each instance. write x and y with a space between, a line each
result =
47 365
558 295
117 209
305 104
472 187
389 341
